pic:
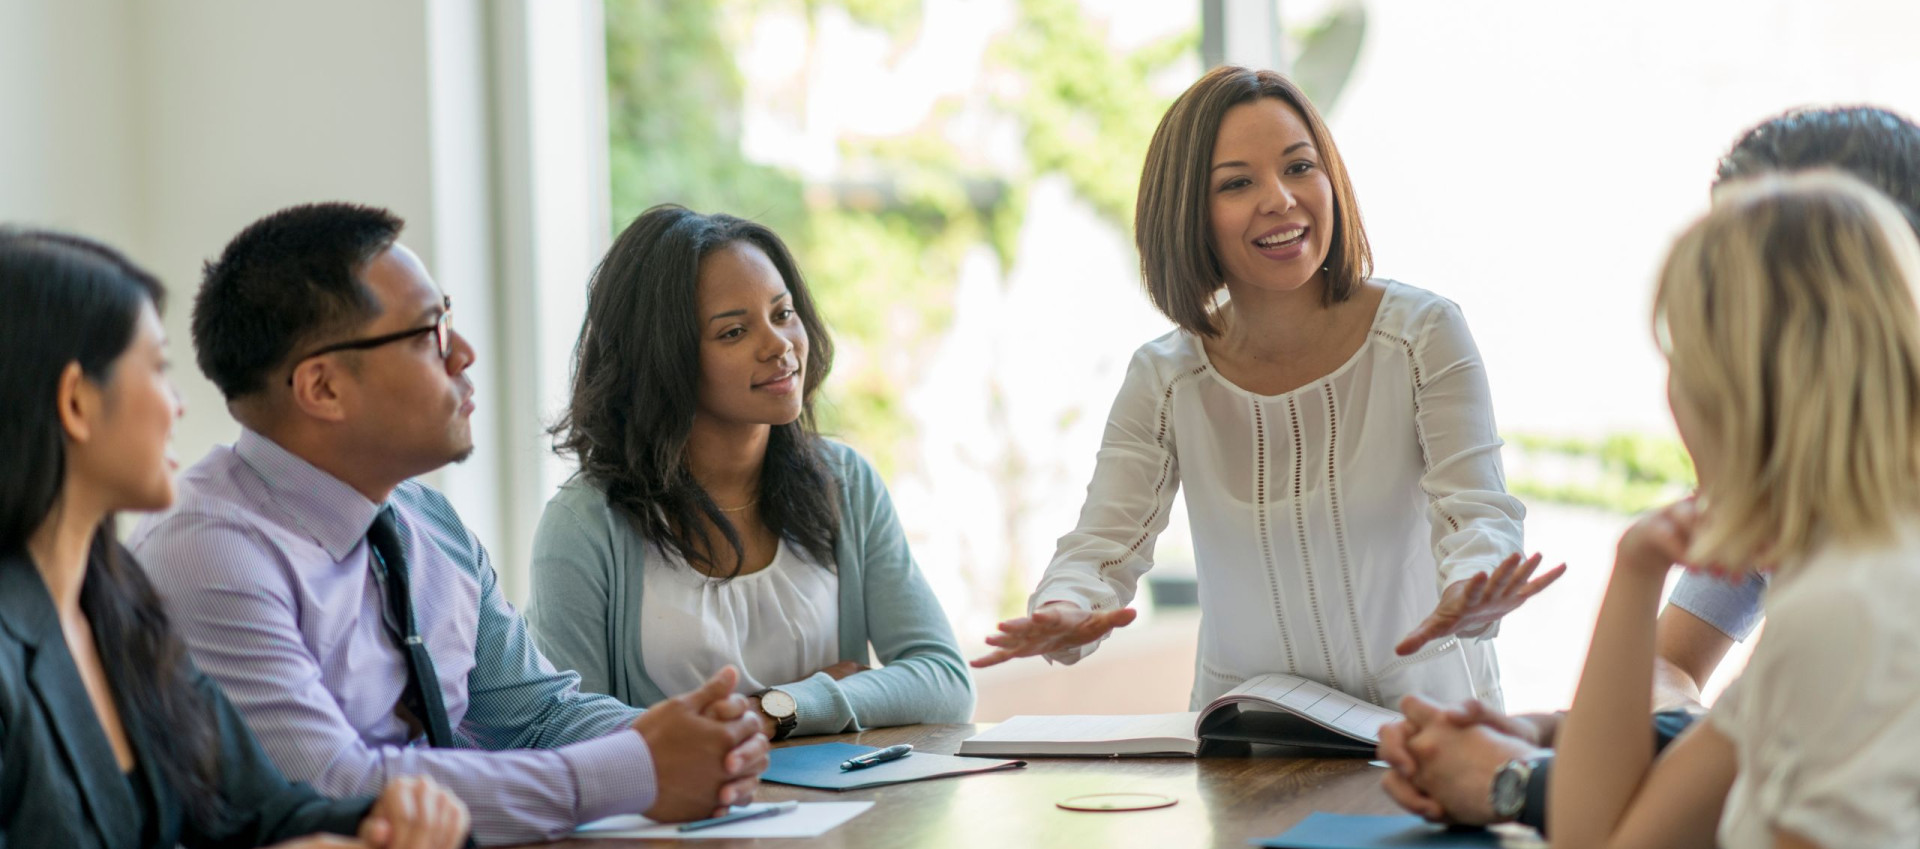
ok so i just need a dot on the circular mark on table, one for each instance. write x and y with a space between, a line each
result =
1102 802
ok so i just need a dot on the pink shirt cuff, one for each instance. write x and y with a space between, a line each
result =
614 775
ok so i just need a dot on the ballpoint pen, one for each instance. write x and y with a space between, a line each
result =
773 810
877 756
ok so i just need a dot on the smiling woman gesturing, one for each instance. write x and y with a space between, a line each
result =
1334 433
710 525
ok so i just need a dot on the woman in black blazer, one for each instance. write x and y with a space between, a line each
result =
109 736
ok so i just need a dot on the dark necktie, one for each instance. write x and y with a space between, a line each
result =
422 695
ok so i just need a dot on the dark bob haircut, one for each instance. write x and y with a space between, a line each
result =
636 387
1178 261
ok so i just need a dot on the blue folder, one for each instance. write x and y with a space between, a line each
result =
818 765
1344 831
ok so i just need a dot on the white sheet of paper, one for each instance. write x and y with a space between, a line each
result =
811 819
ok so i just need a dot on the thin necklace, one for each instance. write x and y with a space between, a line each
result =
739 508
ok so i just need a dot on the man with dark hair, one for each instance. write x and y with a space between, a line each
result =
1475 766
1880 147
342 605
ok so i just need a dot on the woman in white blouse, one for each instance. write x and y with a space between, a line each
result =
1789 322
1334 433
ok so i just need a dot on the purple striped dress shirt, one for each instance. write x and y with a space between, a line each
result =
263 563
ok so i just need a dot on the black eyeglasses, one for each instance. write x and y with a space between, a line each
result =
441 328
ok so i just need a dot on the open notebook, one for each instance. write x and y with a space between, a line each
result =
1272 709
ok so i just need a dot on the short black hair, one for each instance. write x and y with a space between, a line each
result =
287 280
1875 145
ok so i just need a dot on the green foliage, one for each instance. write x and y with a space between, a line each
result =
674 105
1089 110
886 308
894 17
1625 473
881 252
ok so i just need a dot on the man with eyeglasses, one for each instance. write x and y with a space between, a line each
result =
343 606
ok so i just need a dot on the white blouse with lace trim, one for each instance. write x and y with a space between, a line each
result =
1325 520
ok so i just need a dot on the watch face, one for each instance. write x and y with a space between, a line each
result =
1509 790
777 704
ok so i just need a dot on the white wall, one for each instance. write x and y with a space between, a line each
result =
66 122
164 128
245 108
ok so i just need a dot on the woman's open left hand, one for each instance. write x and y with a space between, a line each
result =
1481 600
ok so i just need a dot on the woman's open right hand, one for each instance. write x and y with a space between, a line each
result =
1056 626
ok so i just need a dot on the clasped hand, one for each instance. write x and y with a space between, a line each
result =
1442 760
708 750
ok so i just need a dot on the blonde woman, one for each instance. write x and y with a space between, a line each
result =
1789 322
1334 432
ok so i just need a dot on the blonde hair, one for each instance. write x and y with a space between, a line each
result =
1178 261
1788 318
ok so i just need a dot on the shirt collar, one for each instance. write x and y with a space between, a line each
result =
334 514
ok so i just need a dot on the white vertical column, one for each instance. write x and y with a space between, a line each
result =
459 177
553 210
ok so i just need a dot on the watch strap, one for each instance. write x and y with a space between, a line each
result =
1534 812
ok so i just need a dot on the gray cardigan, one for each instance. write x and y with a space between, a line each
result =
585 610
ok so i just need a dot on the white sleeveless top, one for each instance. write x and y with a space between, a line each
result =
777 625
1326 520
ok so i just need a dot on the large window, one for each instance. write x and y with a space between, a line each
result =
957 178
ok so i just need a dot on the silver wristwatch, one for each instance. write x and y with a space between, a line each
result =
1509 792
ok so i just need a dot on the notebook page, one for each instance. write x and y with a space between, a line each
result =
1092 729
1323 704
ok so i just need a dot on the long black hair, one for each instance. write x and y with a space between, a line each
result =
635 388
63 300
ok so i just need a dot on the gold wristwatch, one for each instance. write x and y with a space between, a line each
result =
779 706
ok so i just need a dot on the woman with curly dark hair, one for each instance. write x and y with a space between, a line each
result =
710 524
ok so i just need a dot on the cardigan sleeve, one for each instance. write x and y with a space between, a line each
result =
568 603
1476 524
922 678
1135 477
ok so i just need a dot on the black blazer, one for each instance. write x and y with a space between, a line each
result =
59 782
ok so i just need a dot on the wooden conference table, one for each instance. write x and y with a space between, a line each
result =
1223 801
